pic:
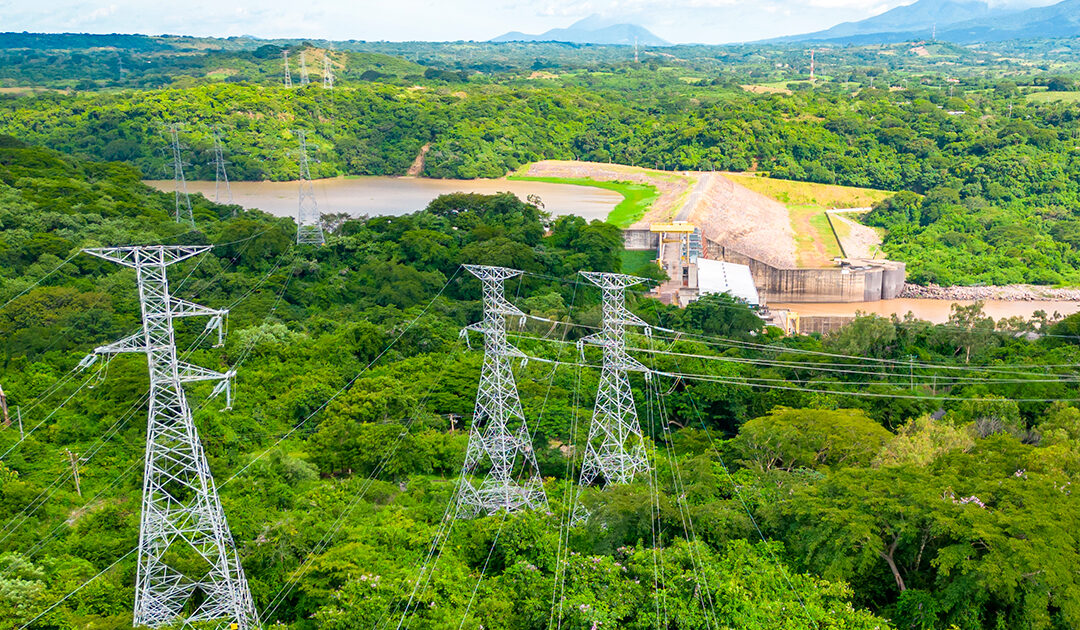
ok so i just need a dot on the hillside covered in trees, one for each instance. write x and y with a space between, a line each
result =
988 163
895 474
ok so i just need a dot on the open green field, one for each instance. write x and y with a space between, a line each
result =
637 198
1054 97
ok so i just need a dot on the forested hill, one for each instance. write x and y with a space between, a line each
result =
801 483
998 175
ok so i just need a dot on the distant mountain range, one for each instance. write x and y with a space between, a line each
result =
591 30
961 21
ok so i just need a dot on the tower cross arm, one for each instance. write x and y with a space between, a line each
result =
192 373
159 254
183 308
131 343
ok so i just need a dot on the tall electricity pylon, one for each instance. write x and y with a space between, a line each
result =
288 74
303 70
327 72
188 571
492 438
308 220
221 177
615 450
180 193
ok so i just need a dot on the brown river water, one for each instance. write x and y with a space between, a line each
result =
395 196
400 195
936 311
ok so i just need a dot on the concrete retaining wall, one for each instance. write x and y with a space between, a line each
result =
822 324
640 240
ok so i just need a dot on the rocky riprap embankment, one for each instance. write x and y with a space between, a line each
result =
1011 293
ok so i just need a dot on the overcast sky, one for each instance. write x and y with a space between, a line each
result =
679 21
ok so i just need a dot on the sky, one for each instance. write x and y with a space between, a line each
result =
678 21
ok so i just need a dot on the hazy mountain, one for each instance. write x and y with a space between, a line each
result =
900 23
961 21
591 30
1057 20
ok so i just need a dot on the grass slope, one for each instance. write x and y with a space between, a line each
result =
816 243
637 198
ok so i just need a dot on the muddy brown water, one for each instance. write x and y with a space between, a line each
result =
936 311
394 196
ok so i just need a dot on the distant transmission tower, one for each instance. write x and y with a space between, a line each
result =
180 193
492 438
288 75
4 408
327 73
615 450
221 177
303 70
188 571
308 220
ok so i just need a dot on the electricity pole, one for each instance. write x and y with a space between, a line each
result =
73 459
615 449
3 407
182 210
303 70
308 220
188 571
288 76
221 177
327 73
493 437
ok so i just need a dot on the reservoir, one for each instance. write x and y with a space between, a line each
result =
393 196
936 311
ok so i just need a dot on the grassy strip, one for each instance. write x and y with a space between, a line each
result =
633 260
808 193
637 198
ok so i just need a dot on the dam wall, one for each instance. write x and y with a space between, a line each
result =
852 280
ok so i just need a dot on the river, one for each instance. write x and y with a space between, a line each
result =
936 311
395 196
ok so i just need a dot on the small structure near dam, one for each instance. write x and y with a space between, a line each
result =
698 265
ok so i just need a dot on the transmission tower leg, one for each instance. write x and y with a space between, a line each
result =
615 448
188 569
499 436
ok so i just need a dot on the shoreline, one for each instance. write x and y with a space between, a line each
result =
1008 293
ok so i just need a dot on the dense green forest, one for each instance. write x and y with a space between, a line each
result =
991 169
892 474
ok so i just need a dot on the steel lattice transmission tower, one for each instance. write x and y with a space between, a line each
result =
615 449
303 70
327 72
188 571
499 434
221 177
308 220
288 74
180 192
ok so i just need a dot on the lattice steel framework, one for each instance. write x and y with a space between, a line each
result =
308 220
221 176
288 74
188 572
499 434
303 70
180 193
327 72
615 449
